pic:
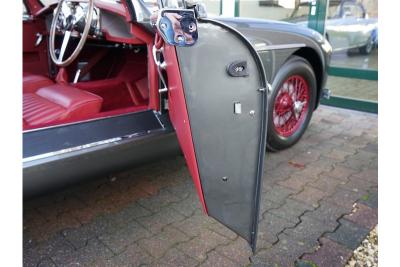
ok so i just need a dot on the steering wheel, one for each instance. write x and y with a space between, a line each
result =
69 18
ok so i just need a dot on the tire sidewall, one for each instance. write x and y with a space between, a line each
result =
294 66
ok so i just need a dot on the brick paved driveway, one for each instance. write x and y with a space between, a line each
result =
319 201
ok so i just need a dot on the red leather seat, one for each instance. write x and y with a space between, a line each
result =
32 82
56 103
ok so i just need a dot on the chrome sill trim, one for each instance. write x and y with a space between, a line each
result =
260 47
72 149
87 146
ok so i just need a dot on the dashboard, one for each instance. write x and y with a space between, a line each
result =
109 22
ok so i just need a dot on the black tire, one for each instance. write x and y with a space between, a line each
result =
294 66
368 47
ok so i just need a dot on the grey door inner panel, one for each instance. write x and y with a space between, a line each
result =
229 145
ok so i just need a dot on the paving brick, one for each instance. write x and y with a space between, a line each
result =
370 199
329 254
371 147
55 247
54 209
193 226
364 216
281 171
284 253
348 234
156 222
78 237
278 194
158 244
84 256
326 184
266 205
296 183
308 156
215 259
269 227
310 195
117 241
308 230
344 197
31 257
182 190
338 154
312 171
356 184
46 262
222 230
340 172
370 175
133 255
188 206
174 258
328 213
199 246
355 163
291 210
155 203
238 251
321 165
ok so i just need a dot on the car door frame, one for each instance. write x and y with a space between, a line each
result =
182 123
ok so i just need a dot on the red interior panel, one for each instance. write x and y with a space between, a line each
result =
35 59
180 118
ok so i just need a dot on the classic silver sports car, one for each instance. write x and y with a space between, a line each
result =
348 27
108 84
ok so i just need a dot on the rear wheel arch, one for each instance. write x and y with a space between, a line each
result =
315 61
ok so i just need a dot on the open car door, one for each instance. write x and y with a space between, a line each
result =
217 104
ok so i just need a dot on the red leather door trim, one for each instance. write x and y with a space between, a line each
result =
35 58
180 119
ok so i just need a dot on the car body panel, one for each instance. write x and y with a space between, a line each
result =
276 41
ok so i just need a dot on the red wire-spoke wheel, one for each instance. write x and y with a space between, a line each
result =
291 104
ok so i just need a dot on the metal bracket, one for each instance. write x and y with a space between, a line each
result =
39 39
269 88
326 93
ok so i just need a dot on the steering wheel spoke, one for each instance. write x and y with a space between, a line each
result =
64 45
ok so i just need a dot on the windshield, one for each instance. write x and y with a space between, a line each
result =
50 2
145 8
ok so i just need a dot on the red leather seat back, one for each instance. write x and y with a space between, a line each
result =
31 82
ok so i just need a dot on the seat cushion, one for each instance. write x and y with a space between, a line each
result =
56 103
31 82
